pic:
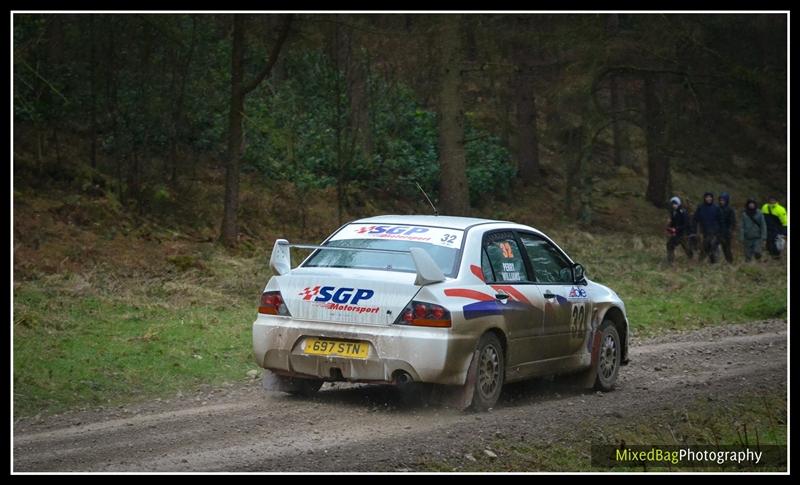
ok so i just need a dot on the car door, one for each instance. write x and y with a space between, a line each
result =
567 306
505 271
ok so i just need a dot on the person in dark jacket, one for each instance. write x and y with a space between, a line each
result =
678 230
752 230
727 224
708 217
693 243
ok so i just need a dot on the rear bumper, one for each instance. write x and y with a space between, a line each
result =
434 355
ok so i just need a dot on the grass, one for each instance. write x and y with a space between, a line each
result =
110 307
83 340
689 294
749 421
98 337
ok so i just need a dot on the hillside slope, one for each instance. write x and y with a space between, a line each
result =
148 304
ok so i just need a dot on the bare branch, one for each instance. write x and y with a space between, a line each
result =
273 57
35 72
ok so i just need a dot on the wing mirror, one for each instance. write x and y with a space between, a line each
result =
579 273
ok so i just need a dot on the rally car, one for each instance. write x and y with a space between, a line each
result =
451 301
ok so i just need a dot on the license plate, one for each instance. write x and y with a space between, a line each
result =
318 346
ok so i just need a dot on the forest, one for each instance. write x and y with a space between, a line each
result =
158 157
360 108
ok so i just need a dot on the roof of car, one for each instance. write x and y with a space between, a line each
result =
451 222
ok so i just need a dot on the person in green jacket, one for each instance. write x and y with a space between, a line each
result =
752 230
775 215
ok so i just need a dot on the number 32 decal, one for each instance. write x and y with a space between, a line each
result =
577 325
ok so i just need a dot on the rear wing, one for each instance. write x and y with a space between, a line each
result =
427 271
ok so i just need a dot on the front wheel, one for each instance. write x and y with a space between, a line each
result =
608 358
490 373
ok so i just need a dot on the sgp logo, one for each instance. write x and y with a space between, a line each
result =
406 230
336 295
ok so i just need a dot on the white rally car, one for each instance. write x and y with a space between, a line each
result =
452 301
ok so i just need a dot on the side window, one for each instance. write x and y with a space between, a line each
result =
505 264
486 266
547 262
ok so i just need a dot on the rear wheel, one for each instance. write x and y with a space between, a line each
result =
304 387
293 385
608 358
490 373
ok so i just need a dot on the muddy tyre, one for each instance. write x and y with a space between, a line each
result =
490 373
608 358
304 387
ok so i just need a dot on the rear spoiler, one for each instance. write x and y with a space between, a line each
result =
427 271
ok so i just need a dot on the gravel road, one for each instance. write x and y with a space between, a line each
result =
240 427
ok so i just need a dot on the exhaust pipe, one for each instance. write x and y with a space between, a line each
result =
402 378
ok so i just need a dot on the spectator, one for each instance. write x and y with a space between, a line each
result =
693 244
752 230
678 230
775 216
727 225
708 217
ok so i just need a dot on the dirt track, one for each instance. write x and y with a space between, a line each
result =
369 428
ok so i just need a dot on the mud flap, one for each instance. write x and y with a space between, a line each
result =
461 396
591 375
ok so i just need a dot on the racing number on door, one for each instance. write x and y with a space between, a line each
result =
506 249
578 321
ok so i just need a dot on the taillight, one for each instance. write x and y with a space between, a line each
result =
272 304
422 314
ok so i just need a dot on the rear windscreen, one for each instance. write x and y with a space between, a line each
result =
443 245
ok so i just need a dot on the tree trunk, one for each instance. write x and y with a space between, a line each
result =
359 105
337 124
111 98
527 142
230 231
454 192
527 135
140 147
55 39
134 179
767 26
655 129
339 51
92 93
585 211
622 141
471 48
574 155
54 34
177 114
621 137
